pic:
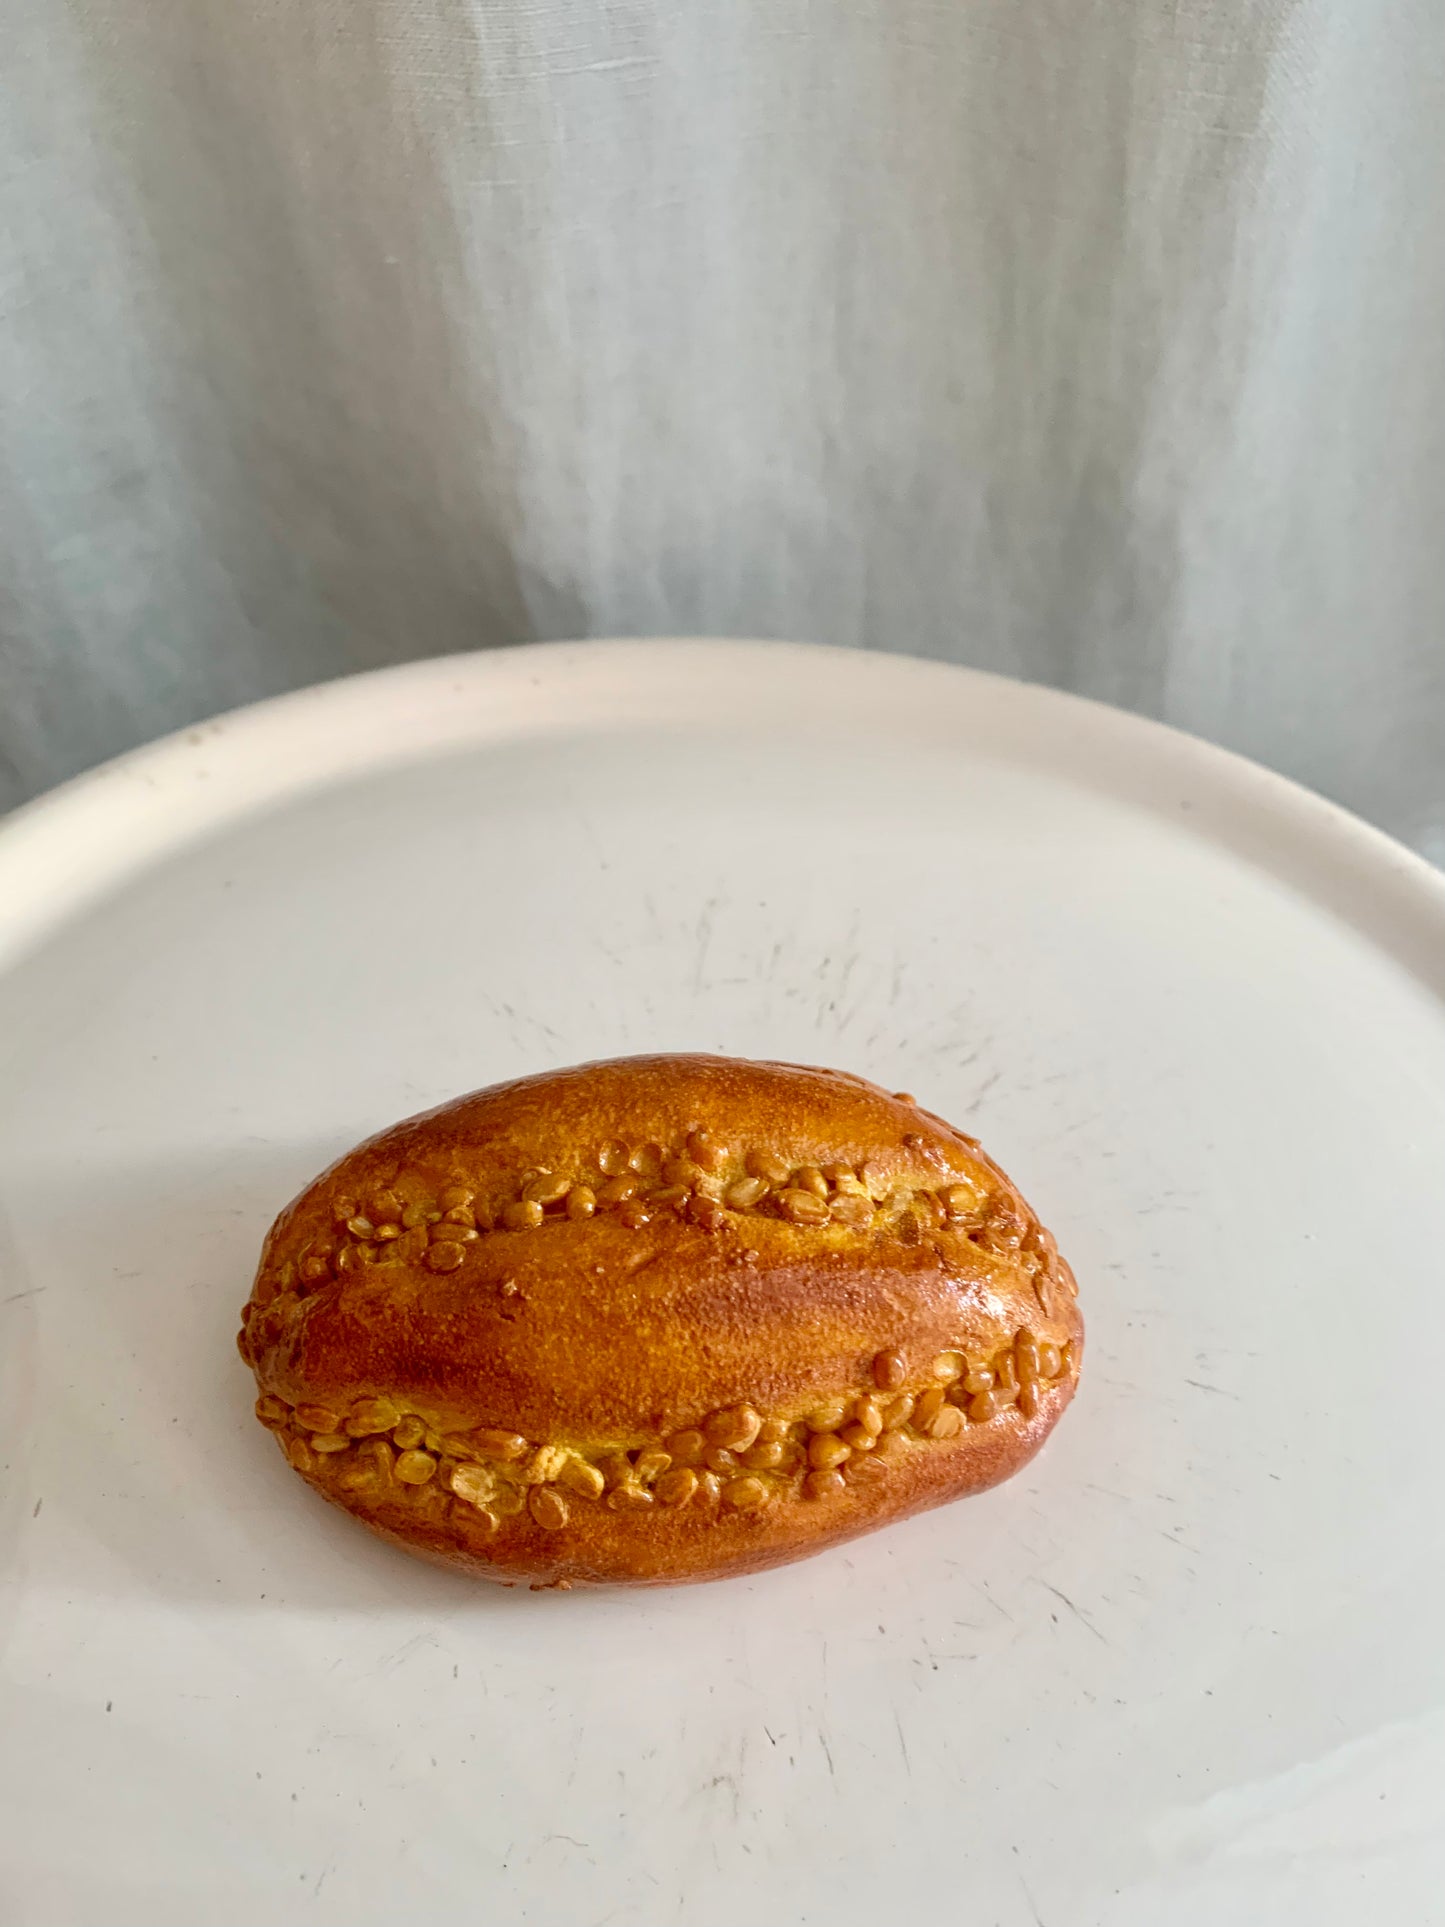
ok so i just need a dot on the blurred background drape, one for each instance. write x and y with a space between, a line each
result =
1097 341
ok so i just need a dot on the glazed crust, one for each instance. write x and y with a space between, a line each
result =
659 1319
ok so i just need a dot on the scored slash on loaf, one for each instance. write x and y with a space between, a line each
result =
658 1319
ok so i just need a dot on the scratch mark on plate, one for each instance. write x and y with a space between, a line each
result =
1078 1613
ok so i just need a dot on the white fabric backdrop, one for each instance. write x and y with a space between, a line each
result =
1099 341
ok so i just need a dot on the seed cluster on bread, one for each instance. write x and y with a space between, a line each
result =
658 1319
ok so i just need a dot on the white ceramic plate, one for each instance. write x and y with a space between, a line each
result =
1185 1669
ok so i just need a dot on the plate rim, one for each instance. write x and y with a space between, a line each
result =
62 851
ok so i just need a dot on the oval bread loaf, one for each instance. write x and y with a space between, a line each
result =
659 1319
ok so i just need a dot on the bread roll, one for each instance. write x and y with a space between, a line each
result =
656 1320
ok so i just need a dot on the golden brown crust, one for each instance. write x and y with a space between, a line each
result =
659 1319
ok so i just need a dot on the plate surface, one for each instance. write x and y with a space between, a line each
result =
1186 1668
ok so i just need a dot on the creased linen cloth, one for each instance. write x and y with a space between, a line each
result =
1101 342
